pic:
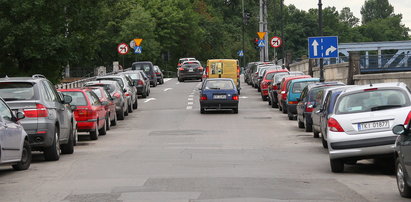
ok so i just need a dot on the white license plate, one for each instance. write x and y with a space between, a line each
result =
373 125
191 70
219 96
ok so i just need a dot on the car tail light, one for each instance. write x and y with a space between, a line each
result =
334 126
292 102
158 73
179 64
127 94
407 120
203 97
117 95
39 111
309 107
283 95
264 85
201 68
140 82
86 113
181 69
275 87
235 97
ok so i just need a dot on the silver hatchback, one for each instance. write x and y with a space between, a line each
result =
362 122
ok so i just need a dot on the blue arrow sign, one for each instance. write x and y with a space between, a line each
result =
138 50
261 43
240 53
323 47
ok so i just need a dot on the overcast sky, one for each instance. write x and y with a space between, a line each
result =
400 6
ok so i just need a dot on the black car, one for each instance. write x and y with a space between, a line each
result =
190 70
403 157
148 68
159 74
141 81
308 101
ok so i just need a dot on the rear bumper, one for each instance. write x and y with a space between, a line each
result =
264 92
191 75
292 108
219 104
40 132
86 126
140 90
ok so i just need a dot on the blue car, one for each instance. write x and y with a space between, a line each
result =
219 93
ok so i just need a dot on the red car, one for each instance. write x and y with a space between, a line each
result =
283 90
267 79
108 103
89 112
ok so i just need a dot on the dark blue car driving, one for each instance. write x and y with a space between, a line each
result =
219 94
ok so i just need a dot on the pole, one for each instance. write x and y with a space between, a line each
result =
320 27
266 31
242 3
282 30
261 29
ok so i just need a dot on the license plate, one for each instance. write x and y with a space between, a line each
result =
191 70
219 96
373 125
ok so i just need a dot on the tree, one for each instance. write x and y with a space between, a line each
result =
346 16
376 9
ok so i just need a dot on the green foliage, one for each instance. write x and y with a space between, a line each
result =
376 9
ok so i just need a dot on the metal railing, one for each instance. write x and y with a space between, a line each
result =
385 63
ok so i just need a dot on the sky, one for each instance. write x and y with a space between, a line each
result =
400 6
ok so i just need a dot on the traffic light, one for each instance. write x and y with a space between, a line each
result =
256 44
246 17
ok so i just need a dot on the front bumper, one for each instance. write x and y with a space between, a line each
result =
219 104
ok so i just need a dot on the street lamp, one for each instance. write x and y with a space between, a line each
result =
320 32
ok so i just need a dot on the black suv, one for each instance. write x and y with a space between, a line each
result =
148 68
49 121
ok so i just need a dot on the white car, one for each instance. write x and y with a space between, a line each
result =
14 143
362 122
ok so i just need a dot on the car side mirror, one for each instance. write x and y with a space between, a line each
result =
398 129
67 99
73 107
20 115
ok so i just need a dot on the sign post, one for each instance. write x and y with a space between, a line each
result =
137 46
122 49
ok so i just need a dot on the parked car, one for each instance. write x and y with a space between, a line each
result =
181 60
294 92
224 68
128 87
402 157
49 121
361 126
141 81
90 113
116 93
275 84
190 70
267 80
309 99
108 102
283 90
148 68
324 109
159 74
218 94
247 71
14 141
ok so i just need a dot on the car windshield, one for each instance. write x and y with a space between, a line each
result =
78 98
17 91
141 66
299 86
119 80
371 100
219 85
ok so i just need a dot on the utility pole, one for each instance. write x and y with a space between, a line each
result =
266 59
282 30
261 29
244 20
320 28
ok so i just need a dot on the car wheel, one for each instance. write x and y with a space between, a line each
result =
52 153
121 115
269 101
316 134
24 164
401 175
274 104
264 98
114 122
130 108
94 133
258 89
235 110
103 130
135 105
300 123
337 165
155 84
108 126
284 108
324 142
69 147
202 110
308 127
144 95
126 112
162 81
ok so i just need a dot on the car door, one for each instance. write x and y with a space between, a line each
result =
63 114
101 111
301 104
324 114
11 133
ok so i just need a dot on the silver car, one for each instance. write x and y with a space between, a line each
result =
362 121
14 142
128 87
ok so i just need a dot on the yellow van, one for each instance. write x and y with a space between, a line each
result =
224 68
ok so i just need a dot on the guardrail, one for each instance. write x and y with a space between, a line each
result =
385 63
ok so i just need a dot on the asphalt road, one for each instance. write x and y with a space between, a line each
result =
168 151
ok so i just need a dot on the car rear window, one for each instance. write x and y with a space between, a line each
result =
145 67
219 85
298 87
191 65
119 80
97 92
78 98
281 76
371 101
109 87
134 76
17 91
269 76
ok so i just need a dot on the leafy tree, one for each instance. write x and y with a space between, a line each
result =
376 9
348 17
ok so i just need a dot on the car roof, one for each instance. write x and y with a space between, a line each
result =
322 84
286 79
277 70
219 79
74 90
304 80
376 85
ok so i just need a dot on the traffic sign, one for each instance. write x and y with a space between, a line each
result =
132 44
261 43
276 42
261 34
240 53
122 48
138 50
323 47
138 41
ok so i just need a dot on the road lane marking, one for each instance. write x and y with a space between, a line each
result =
189 107
190 98
177 83
243 97
167 89
190 103
167 79
149 99
191 95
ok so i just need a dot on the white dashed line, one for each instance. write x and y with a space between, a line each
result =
191 95
190 98
190 103
149 99
167 89
177 83
243 97
167 79
189 107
